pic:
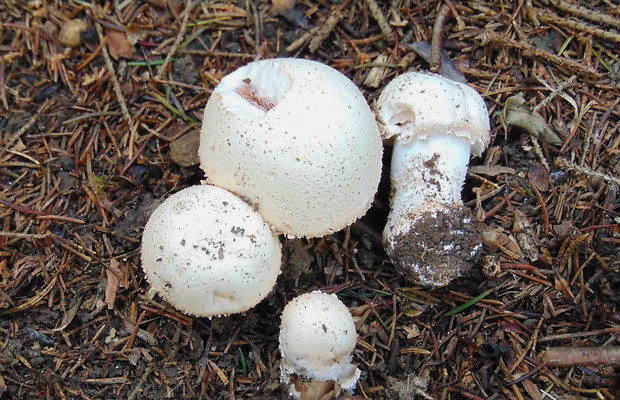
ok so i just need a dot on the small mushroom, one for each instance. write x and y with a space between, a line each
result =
317 339
208 253
436 124
297 140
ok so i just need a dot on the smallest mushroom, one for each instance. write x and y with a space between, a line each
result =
317 339
436 124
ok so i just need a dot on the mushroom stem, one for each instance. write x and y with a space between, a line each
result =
435 168
427 223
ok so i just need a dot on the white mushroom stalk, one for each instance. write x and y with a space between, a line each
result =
317 339
208 253
435 124
297 140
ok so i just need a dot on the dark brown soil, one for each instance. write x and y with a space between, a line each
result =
437 248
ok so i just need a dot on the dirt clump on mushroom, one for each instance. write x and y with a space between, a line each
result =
438 248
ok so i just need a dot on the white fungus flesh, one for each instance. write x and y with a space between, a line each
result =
317 339
297 140
435 125
208 253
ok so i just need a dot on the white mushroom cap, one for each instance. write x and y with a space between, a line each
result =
317 339
296 139
208 253
417 105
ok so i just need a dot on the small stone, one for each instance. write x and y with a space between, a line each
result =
184 150
71 34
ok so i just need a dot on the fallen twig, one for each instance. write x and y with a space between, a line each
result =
325 30
581 356
587 13
531 51
437 37
569 165
377 14
177 41
115 84
548 17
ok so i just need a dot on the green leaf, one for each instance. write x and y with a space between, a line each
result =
244 366
468 304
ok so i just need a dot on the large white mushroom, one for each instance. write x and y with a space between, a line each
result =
317 339
208 253
436 124
297 140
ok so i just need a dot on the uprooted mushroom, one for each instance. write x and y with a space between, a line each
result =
435 124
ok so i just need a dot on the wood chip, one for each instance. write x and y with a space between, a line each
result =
119 46
494 170
114 276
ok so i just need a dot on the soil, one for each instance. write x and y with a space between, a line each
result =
85 156
437 247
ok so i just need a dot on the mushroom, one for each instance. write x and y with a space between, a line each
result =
297 140
317 339
208 253
435 124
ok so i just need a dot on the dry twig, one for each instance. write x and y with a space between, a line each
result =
177 40
569 165
377 14
533 52
437 37
586 13
581 356
548 17
115 84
